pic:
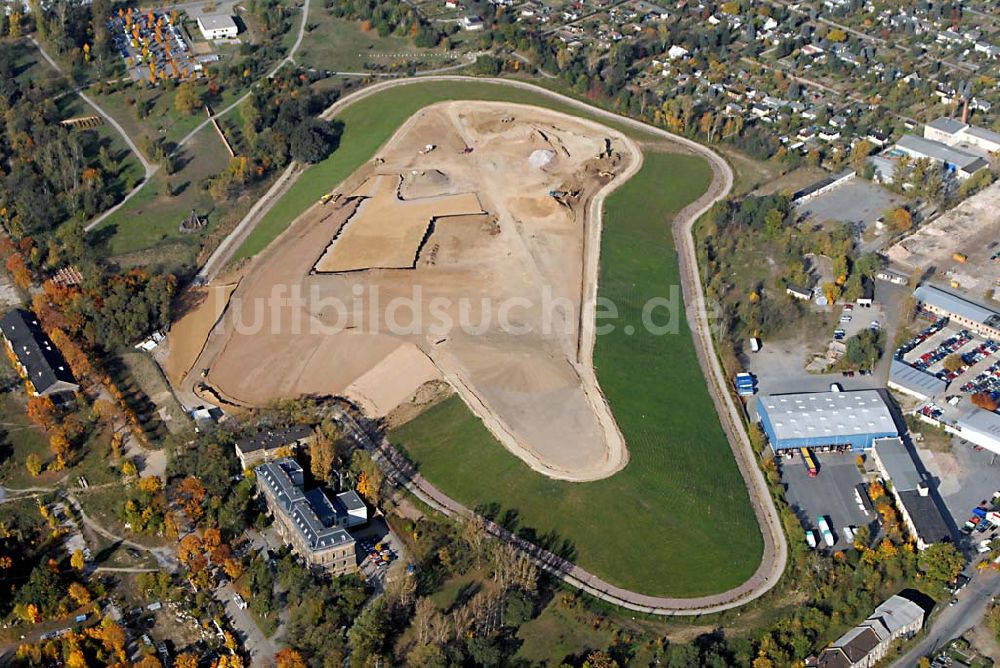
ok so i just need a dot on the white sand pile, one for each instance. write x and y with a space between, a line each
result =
541 158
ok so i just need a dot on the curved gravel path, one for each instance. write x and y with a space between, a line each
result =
775 553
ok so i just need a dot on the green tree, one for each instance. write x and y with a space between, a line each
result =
313 141
941 563
865 348
368 636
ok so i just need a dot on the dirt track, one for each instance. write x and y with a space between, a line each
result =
775 547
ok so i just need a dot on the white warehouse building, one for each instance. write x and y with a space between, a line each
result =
218 26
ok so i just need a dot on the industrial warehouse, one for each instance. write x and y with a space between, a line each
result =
816 419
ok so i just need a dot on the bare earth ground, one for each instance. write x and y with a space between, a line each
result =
381 291
187 335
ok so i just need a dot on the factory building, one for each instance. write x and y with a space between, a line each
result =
953 160
818 419
979 318
911 490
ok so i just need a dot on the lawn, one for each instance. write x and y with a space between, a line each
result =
19 437
677 520
340 45
30 68
153 216
368 124
163 122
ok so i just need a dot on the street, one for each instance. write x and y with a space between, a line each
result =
260 649
953 621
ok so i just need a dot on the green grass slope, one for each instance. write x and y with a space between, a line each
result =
677 520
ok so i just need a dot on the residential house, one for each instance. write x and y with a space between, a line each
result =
869 642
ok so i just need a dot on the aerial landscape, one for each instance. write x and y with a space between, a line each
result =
583 333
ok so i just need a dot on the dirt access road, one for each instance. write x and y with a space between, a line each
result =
775 553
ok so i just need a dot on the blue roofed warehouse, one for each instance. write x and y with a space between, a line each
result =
815 419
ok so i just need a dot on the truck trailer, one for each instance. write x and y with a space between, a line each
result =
824 530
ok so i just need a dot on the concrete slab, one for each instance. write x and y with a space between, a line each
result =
831 493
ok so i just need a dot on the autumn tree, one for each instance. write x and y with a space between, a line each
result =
59 446
984 400
79 593
42 411
187 99
321 456
599 659
33 464
859 155
953 362
289 658
902 219
370 476
189 547
76 560
186 660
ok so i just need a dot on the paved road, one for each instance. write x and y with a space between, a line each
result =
775 553
261 649
953 621
146 165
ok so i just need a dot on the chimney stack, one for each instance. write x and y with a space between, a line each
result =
965 111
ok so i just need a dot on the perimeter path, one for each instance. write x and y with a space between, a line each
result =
775 554
149 167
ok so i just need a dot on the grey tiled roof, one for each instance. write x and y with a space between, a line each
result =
312 513
43 362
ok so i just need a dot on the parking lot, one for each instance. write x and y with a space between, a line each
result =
939 340
830 493
152 46
965 476
379 552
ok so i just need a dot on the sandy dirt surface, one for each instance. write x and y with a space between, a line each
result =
386 231
202 306
491 302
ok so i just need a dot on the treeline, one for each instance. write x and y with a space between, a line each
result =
49 173
280 123
389 17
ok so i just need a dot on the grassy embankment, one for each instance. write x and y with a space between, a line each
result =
677 521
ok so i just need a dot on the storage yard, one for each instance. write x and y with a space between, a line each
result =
961 248
534 173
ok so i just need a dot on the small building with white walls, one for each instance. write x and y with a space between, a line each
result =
218 26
